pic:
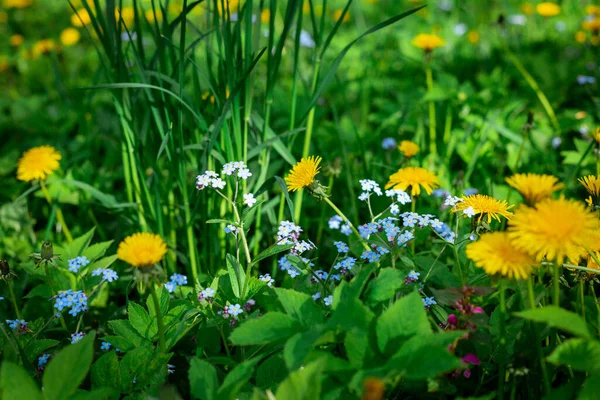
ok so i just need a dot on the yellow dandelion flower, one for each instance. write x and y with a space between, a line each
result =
69 36
408 148
16 3
43 46
527 8
127 14
473 37
149 14
265 16
485 206
580 37
338 13
415 177
591 25
495 254
592 10
591 263
142 249
597 135
427 41
16 40
555 229
38 163
303 173
534 187
548 9
591 183
81 18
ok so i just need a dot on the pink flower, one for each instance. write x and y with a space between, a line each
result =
478 310
471 359
452 320
467 373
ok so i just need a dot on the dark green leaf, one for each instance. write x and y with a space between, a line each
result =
579 354
558 318
270 327
16 383
203 380
300 306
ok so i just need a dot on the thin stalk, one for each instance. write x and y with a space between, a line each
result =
13 298
59 214
582 298
531 297
432 133
413 207
159 320
501 371
341 214
556 285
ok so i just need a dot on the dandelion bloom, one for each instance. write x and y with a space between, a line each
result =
16 3
149 14
591 25
495 253
265 16
473 37
16 40
38 163
415 177
555 229
591 183
338 13
303 173
142 249
427 41
548 9
592 10
81 18
580 37
42 47
127 14
534 187
408 148
69 36
485 206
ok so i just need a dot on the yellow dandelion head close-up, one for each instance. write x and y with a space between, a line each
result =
556 230
303 173
547 9
428 41
142 249
38 163
495 254
415 178
591 183
408 148
69 36
534 187
485 206
81 18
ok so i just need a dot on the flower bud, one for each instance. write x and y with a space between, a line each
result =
47 251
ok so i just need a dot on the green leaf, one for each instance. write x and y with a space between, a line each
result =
104 393
426 356
298 347
558 318
145 365
42 290
203 380
300 306
302 384
79 244
16 383
237 276
271 251
141 321
590 389
236 379
579 354
163 303
270 327
123 327
119 342
96 250
218 221
385 286
106 371
271 372
104 262
67 370
35 348
351 315
404 319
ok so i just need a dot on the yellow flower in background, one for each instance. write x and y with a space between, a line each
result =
597 135
3 16
81 18
265 16
69 36
303 173
127 14
527 8
415 178
592 10
591 183
555 230
595 40
408 148
591 25
338 13
142 249
534 187
318 10
428 42
149 14
495 254
3 63
16 3
591 263
580 115
42 47
233 6
38 163
548 9
580 37
473 37
16 40
484 206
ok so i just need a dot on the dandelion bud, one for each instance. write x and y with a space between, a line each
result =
47 251
4 268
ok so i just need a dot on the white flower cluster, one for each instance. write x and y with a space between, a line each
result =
238 167
289 233
401 196
213 180
452 201
369 186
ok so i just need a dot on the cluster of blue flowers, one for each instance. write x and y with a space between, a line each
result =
206 294
105 346
107 274
399 196
388 143
76 263
345 265
328 300
286 265
76 301
17 323
76 337
322 275
369 187
341 247
43 360
337 223
267 278
428 301
176 280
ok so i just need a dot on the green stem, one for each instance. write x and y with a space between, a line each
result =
413 207
341 214
62 320
159 319
432 133
582 298
59 214
501 371
556 285
531 297
13 298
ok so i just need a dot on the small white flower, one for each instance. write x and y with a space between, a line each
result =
249 199
218 183
394 209
469 212
244 173
451 201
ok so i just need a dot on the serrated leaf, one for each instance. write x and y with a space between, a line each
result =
106 371
203 380
558 318
141 321
300 306
163 303
270 327
579 354
42 290
302 384
35 348
119 342
79 244
124 328
236 379
385 286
